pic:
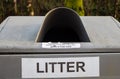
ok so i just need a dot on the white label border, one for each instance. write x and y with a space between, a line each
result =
59 45
28 70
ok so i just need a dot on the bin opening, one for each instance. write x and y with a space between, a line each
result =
61 35
62 25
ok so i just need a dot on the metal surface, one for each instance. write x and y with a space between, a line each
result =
10 65
17 40
18 34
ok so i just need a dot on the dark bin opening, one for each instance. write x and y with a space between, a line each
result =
62 25
61 35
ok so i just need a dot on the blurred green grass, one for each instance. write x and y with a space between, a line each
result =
41 7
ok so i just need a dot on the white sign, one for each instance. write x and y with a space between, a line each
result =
60 67
60 45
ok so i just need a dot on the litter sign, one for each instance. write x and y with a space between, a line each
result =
60 67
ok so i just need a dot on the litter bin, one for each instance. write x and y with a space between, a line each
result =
60 45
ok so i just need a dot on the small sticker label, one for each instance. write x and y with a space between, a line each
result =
60 45
60 67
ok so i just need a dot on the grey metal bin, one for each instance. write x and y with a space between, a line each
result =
17 46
